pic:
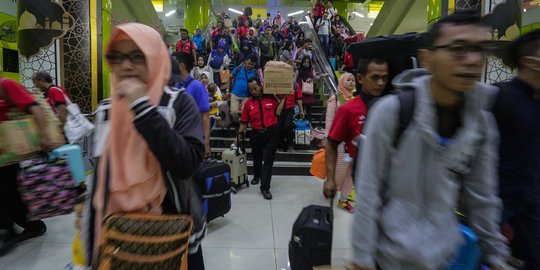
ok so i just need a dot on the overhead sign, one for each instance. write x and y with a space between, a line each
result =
40 23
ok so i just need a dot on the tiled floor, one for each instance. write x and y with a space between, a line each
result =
254 235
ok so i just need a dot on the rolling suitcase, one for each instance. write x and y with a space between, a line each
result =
237 159
73 154
213 180
311 240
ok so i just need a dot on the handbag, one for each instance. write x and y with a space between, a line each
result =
47 188
225 75
76 126
53 128
318 165
307 87
144 241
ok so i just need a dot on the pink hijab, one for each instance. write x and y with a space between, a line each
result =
136 180
346 93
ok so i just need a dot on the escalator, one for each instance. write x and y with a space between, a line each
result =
321 62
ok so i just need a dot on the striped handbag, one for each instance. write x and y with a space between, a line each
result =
138 241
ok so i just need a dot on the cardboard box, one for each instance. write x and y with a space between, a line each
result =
18 140
228 23
278 78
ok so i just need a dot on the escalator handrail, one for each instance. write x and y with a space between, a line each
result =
322 61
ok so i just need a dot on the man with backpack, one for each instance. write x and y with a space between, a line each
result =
323 26
240 89
183 66
185 45
349 120
426 147
517 110
268 47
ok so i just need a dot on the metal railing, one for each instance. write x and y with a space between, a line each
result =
321 63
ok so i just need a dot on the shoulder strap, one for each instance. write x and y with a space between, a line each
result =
340 99
406 99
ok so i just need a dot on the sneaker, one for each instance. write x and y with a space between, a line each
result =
34 229
8 239
266 194
255 180
345 205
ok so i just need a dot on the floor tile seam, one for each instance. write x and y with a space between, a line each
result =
19 257
274 236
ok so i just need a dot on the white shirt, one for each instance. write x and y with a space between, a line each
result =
324 28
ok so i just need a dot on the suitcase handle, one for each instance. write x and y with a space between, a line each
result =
241 147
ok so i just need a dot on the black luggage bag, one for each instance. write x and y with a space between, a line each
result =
214 181
311 240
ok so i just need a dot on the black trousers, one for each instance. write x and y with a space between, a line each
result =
286 128
196 261
263 146
12 208
308 109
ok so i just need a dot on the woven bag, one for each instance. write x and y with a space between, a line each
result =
138 241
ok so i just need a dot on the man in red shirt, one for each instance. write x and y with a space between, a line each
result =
261 113
217 30
12 209
243 31
185 45
350 117
286 120
55 95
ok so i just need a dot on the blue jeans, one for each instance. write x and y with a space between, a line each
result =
325 40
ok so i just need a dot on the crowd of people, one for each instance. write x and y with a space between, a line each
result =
413 157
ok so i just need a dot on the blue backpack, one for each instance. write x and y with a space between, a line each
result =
217 60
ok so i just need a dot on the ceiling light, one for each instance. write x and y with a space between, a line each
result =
236 11
359 14
170 13
295 13
524 10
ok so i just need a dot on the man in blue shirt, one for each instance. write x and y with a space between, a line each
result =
197 90
240 91
199 41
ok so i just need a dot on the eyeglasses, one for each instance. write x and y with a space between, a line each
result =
460 51
134 58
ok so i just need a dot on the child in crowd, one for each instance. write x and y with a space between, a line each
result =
215 100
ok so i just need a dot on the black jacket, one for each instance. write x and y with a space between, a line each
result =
518 117
180 150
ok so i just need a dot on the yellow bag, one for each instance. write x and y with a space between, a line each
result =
77 256
318 165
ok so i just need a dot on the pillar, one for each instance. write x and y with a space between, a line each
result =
76 55
106 31
196 14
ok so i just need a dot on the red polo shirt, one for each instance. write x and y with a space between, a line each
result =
291 99
17 96
185 47
56 96
243 31
252 112
348 124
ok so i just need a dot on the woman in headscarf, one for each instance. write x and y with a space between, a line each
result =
201 67
306 74
142 146
245 51
218 60
343 177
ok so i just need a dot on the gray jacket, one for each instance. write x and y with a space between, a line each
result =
406 196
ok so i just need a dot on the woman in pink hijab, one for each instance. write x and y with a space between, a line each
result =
343 175
148 140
